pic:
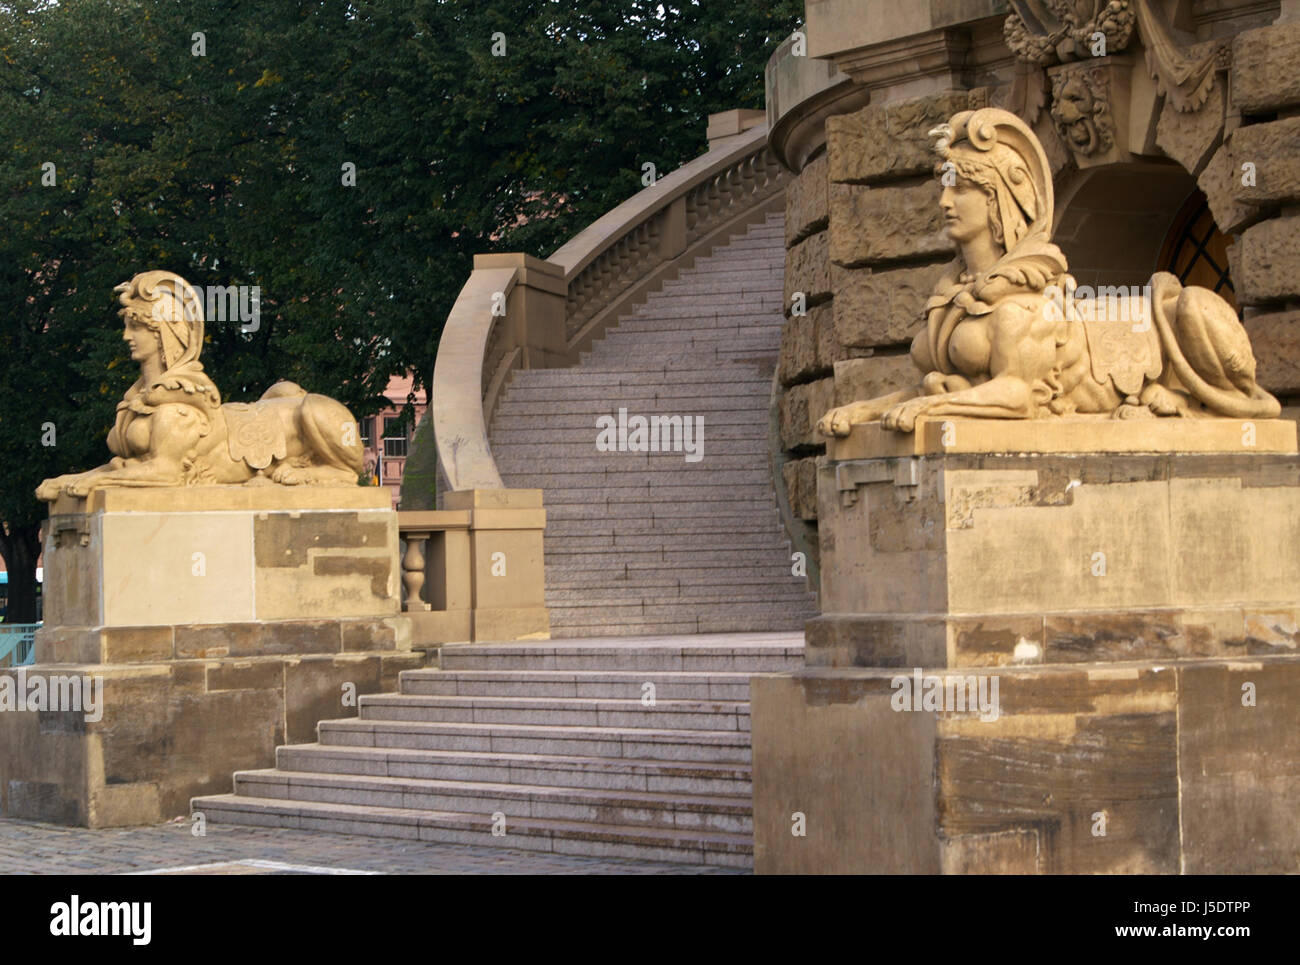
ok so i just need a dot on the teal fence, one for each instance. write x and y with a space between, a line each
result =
17 644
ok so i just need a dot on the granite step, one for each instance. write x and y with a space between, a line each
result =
547 770
762 652
530 834
568 624
557 712
618 743
656 809
668 685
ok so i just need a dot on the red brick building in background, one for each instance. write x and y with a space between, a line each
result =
387 438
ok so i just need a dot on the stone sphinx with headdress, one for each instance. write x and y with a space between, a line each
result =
1005 336
171 428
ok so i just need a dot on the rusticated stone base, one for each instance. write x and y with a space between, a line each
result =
1003 640
167 731
1146 767
212 640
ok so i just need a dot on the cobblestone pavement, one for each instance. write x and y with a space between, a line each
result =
30 848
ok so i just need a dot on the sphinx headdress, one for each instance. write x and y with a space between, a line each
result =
995 148
171 307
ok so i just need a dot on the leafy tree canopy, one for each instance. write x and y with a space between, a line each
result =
211 138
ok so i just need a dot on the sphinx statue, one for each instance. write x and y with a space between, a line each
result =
1005 335
172 429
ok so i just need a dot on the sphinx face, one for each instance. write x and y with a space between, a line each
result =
965 209
139 337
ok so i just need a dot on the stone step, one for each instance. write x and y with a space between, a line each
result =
670 363
759 352
510 462
617 484
706 307
644 510
621 339
567 624
749 259
648 379
733 327
590 403
557 712
710 618
747 291
731 652
629 565
687 595
716 375
748 522
521 393
743 285
576 577
550 770
754 447
719 339
613 684
635 501
624 743
646 554
645 543
653 809
722 431
531 834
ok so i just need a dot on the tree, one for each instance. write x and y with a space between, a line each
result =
215 140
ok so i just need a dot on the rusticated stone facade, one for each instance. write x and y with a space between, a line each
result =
863 231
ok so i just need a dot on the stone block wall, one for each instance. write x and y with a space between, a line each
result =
1265 209
864 248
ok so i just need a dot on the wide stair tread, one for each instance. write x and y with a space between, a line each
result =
532 834
667 780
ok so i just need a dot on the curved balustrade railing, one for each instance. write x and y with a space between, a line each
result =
520 312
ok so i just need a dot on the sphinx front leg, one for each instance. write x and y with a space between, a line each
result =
840 421
300 472
132 473
1006 397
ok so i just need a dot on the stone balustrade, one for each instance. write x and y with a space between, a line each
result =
517 311
473 571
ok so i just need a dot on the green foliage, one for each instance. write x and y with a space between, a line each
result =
227 168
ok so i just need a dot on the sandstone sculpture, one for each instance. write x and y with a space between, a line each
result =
1006 337
172 430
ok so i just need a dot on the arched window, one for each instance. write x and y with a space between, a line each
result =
1197 251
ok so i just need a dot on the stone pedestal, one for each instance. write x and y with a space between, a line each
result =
214 623
480 565
980 543
1126 595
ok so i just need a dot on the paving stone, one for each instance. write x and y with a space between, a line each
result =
32 848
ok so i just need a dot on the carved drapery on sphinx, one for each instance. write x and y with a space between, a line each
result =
1005 336
171 428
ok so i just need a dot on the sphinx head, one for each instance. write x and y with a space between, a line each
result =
996 179
162 317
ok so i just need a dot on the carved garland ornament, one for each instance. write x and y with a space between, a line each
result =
1045 32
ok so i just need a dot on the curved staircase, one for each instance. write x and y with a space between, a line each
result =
649 542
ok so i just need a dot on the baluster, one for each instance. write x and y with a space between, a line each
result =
413 571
